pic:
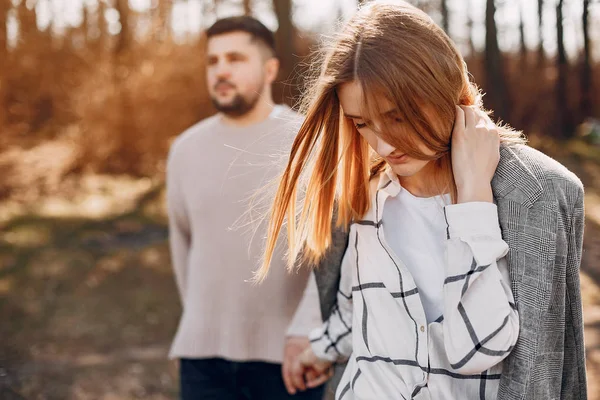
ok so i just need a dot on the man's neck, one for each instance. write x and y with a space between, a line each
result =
258 114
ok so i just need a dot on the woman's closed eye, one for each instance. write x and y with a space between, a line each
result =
394 119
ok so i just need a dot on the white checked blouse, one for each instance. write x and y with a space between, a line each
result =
379 323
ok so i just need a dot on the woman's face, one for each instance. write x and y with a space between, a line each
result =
351 99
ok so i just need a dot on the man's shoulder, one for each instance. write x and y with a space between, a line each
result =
284 112
287 119
194 132
279 130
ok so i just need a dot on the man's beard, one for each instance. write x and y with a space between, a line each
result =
238 106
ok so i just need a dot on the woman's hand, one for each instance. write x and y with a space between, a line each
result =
308 371
475 154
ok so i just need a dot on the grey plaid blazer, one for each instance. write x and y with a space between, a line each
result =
540 207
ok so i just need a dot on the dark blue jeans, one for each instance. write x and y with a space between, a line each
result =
219 379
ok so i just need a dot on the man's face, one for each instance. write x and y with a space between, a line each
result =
236 73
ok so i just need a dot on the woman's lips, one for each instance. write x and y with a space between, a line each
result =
399 159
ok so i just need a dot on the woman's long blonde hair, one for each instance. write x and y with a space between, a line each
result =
393 51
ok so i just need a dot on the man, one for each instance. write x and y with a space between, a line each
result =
231 339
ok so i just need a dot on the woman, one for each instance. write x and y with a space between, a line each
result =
460 279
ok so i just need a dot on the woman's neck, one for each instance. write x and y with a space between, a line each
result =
425 183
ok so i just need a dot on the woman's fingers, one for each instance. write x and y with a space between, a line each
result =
287 378
475 155
470 119
311 375
320 379
459 121
297 376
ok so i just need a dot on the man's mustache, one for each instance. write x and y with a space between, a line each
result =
224 83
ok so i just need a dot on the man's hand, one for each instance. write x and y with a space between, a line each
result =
292 376
301 369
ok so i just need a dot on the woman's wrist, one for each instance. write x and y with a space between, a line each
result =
475 193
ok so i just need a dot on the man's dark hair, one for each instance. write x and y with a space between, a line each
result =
252 26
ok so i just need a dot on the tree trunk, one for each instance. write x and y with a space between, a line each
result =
5 6
85 25
28 32
215 7
562 111
103 35
124 36
162 25
247 7
586 75
495 80
470 28
445 16
523 49
125 154
285 34
541 55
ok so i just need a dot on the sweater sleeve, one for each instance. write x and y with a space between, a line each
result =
481 324
333 340
308 314
179 228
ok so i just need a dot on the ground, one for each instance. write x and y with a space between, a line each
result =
87 299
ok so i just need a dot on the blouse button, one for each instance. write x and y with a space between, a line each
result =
422 328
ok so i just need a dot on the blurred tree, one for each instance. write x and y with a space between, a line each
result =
28 31
85 25
445 16
247 7
562 104
5 7
472 51
102 25
495 84
162 14
523 46
215 7
126 143
586 75
124 36
285 35
541 55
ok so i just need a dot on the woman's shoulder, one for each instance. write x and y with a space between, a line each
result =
554 178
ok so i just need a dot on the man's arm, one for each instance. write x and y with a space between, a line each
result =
308 314
179 229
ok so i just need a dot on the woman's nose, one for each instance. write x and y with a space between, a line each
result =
383 148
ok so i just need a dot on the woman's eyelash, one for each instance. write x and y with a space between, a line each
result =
364 125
